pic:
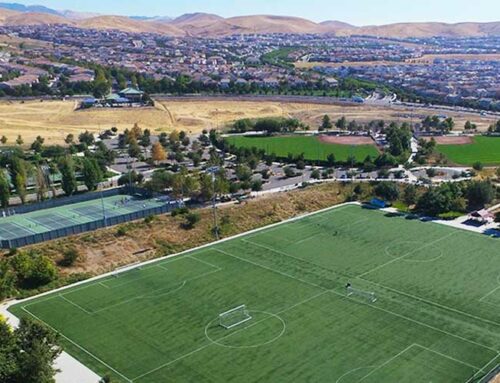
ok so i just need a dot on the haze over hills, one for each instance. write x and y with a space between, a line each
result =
204 24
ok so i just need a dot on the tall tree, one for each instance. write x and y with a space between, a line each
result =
158 153
19 140
4 190
326 123
37 348
92 173
41 183
68 181
19 175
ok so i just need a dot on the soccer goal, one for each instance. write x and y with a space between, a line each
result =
234 317
367 295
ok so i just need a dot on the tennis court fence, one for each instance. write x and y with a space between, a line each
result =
62 201
98 223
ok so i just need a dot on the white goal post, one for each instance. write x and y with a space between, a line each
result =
234 317
368 295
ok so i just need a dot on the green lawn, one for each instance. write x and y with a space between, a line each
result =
312 147
484 149
436 318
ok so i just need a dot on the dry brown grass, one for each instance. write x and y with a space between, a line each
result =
426 59
104 250
55 119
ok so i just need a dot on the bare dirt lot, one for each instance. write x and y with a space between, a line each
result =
53 120
464 140
347 140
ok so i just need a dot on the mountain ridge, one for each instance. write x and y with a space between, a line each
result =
201 24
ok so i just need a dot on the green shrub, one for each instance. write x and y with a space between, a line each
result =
478 166
121 231
70 256
191 220
149 219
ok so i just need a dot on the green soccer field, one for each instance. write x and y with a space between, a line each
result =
312 147
436 317
484 149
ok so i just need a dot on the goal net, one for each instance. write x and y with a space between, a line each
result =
234 317
367 295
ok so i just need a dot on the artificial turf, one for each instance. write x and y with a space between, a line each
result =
436 318
483 149
312 147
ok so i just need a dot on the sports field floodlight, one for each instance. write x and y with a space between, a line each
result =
367 295
234 317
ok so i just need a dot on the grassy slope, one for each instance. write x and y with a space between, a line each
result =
484 149
160 323
312 148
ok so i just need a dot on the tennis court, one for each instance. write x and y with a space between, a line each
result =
436 316
44 221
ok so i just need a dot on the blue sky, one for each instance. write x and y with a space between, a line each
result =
359 12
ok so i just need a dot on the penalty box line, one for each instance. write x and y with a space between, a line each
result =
102 284
357 301
149 295
391 359
433 303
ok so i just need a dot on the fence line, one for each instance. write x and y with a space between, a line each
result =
89 226
62 201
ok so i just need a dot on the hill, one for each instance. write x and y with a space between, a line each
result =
33 18
127 24
28 8
205 24
274 24
5 14
431 29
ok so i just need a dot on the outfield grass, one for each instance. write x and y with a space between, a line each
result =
484 149
436 319
312 147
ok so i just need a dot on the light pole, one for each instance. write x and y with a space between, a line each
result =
213 170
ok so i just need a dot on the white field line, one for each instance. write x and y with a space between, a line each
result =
482 368
229 335
477 369
149 295
386 362
204 262
271 269
433 303
319 213
139 297
366 304
405 255
74 304
78 346
375 307
488 294
285 254
449 357
323 233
